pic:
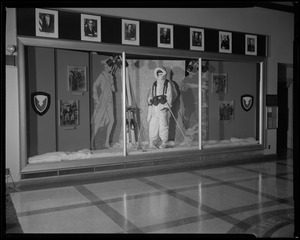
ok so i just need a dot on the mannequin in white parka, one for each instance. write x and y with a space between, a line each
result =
160 102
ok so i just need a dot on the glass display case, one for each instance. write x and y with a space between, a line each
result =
108 93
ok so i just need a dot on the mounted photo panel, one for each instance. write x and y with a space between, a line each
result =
219 83
90 28
46 23
68 113
165 36
226 110
225 42
197 39
130 32
250 44
77 79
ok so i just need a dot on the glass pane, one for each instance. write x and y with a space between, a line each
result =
230 104
159 123
83 93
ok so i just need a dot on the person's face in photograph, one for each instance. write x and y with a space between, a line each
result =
129 27
165 31
47 19
196 35
90 24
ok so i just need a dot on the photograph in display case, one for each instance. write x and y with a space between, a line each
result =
90 28
77 81
219 83
197 39
130 32
225 42
251 44
68 113
46 23
226 110
165 35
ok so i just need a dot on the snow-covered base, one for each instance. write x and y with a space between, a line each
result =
117 150
68 156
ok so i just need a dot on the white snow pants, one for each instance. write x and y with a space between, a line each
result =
158 125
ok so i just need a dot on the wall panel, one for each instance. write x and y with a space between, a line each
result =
41 77
78 137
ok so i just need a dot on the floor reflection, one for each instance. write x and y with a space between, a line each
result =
247 198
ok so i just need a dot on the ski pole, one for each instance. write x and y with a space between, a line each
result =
178 126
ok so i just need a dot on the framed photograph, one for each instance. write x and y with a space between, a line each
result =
46 23
197 39
165 35
68 113
77 79
225 42
219 83
130 32
250 44
226 110
90 28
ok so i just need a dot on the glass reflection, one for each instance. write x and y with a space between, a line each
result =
230 105
200 197
166 115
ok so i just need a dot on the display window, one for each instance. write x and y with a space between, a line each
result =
84 104
164 96
230 104
86 117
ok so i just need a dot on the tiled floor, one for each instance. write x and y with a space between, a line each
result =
248 198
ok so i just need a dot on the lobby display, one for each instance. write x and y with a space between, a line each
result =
204 114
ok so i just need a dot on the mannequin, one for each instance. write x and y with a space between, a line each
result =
159 102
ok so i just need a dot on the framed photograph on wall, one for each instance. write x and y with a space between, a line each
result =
130 32
46 23
68 113
90 28
219 83
225 42
250 44
226 110
197 39
77 79
165 35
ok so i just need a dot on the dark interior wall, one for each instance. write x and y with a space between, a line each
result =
242 79
41 77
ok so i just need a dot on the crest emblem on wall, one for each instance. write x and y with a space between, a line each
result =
40 102
247 102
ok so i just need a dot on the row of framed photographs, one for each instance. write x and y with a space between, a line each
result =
47 26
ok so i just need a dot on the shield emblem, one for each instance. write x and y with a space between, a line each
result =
247 102
40 102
